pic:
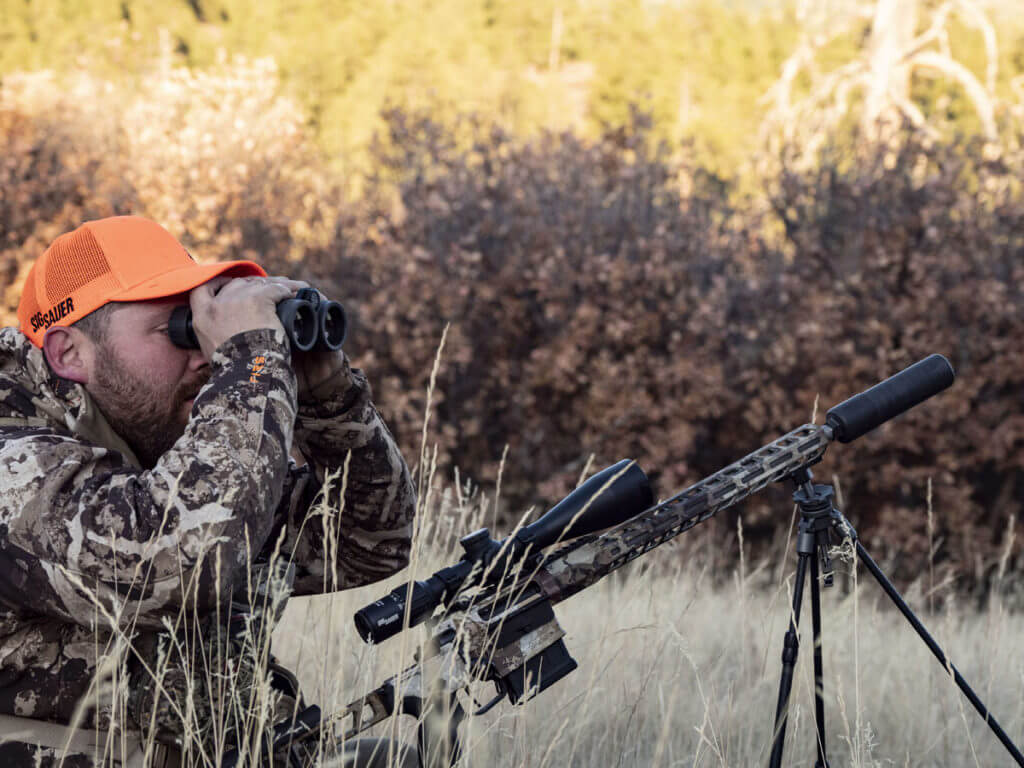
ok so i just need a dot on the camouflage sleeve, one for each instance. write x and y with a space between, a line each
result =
341 540
147 542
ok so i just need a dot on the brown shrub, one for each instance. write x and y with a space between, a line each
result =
582 298
907 252
603 298
595 309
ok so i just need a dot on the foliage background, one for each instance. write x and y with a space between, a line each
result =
634 258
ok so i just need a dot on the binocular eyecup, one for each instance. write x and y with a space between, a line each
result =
308 321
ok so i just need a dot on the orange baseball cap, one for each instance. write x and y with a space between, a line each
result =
121 258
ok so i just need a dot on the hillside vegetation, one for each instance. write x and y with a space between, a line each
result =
608 290
702 69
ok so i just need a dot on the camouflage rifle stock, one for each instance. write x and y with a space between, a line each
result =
581 564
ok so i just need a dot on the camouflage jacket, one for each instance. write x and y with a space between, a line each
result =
89 538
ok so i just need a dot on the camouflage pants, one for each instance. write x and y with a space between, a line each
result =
20 754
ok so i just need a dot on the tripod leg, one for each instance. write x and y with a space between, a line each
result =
819 675
789 653
897 599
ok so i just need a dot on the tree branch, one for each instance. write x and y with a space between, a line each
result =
974 89
977 18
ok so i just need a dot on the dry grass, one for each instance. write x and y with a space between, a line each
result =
678 665
679 662
678 668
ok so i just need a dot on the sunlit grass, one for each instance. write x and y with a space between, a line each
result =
679 666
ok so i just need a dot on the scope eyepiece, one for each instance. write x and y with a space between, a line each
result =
307 321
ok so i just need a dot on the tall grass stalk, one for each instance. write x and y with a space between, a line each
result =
664 677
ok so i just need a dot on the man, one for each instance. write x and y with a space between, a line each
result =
139 480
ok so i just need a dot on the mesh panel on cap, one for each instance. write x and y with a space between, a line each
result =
76 259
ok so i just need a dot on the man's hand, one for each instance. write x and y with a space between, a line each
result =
225 306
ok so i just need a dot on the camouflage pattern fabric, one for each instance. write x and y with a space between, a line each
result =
93 546
229 685
18 754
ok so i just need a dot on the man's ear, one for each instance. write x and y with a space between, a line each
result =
69 353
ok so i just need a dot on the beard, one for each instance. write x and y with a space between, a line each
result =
149 416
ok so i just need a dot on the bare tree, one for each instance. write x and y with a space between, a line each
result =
883 72
886 72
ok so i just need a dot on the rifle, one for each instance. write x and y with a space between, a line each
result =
492 612
501 627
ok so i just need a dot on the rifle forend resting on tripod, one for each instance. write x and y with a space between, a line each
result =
491 613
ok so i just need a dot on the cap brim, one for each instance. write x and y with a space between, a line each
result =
187 278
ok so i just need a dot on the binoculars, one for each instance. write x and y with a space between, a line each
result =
308 321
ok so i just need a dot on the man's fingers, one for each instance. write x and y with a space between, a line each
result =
203 294
278 288
223 307
293 285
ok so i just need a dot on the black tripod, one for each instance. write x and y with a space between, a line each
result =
818 520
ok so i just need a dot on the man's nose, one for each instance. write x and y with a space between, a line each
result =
196 360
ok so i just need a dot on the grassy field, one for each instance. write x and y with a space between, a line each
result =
679 666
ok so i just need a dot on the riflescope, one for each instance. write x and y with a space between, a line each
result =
308 321
612 496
